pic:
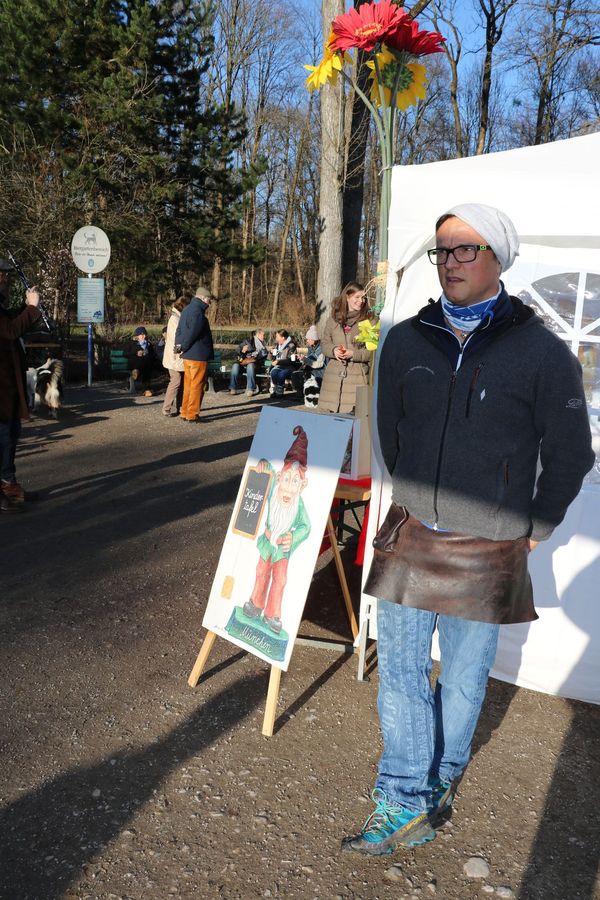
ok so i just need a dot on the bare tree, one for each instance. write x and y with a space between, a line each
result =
292 188
494 18
556 34
443 18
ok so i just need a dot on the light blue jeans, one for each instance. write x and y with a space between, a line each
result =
427 733
250 376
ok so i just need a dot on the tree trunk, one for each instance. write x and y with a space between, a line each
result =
299 270
353 195
494 15
329 279
288 221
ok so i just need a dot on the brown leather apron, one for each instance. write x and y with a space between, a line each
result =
450 573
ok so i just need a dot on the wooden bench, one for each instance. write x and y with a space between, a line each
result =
215 371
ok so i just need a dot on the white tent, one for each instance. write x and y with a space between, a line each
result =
552 194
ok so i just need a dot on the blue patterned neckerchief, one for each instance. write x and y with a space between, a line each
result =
468 318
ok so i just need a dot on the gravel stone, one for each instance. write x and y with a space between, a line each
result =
476 867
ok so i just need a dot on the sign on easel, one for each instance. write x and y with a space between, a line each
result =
275 533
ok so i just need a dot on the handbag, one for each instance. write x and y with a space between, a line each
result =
246 360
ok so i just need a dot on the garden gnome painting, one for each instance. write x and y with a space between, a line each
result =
275 533
286 526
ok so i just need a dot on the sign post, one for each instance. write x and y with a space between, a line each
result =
90 249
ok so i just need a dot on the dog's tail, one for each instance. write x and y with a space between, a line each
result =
52 374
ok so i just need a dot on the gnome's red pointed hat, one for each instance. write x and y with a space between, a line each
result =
298 451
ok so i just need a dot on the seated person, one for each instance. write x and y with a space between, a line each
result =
251 355
311 363
284 362
141 359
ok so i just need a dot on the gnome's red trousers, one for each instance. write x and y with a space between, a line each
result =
276 573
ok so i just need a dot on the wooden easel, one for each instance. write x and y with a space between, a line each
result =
343 492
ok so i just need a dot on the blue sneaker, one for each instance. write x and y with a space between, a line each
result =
390 826
442 798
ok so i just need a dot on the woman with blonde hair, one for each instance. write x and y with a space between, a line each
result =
173 362
349 362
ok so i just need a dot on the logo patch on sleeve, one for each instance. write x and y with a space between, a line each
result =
574 403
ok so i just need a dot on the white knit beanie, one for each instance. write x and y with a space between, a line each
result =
494 226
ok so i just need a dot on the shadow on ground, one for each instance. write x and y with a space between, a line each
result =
49 834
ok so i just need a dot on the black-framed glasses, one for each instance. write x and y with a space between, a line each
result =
464 253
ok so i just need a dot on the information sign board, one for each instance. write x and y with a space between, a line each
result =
90 301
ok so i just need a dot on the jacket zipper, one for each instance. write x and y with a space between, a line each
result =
441 450
476 373
446 420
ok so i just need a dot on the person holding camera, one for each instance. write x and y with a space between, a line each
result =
13 390
251 355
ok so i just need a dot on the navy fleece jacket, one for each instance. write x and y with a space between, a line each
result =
494 442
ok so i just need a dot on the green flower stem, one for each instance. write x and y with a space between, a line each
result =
368 104
385 121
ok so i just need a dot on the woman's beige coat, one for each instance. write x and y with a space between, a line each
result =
338 390
172 360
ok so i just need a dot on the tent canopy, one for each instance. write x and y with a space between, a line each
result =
562 177
551 194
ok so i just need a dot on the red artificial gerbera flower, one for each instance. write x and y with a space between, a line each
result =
366 26
408 36
382 23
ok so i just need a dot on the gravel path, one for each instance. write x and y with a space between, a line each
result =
119 781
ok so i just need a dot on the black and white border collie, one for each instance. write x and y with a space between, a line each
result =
45 386
312 389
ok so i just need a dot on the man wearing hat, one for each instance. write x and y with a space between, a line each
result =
142 360
13 392
484 431
193 339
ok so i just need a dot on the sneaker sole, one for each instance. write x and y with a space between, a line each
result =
417 832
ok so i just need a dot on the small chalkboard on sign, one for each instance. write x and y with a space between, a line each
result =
253 498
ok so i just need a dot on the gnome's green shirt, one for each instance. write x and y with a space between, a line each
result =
300 527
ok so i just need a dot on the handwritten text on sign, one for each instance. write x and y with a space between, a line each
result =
254 495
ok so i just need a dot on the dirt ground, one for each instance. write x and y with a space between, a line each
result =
119 781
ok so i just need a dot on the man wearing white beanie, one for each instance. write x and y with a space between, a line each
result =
484 431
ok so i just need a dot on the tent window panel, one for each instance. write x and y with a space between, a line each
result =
589 357
569 304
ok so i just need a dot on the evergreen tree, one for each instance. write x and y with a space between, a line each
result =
106 119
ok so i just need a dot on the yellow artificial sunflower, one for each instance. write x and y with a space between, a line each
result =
368 333
328 68
411 80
